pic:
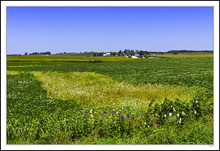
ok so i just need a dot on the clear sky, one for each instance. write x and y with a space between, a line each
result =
79 29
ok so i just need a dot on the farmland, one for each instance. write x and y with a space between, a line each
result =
61 99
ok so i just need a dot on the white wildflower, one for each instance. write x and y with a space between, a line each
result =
178 115
197 105
165 115
145 123
170 114
195 112
196 101
182 112
91 115
91 111
180 120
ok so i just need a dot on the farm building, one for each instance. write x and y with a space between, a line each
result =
133 56
137 54
107 54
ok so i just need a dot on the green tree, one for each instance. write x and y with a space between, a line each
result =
145 55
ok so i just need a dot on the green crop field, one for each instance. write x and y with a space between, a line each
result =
74 99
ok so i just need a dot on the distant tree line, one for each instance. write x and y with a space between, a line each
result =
39 53
187 51
98 54
128 52
13 54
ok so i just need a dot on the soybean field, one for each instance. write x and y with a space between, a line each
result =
109 100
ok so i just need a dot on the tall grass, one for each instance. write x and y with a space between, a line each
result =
100 90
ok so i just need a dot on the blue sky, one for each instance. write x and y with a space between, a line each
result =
79 29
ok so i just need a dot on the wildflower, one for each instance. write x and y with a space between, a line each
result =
105 112
86 112
119 113
74 117
180 120
91 115
196 101
197 105
113 111
129 116
91 111
170 114
178 115
145 123
165 115
195 112
122 117
182 112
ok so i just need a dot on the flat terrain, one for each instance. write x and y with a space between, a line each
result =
61 99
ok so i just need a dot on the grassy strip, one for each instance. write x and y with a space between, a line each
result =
98 90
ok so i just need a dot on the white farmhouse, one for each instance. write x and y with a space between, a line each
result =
133 56
108 54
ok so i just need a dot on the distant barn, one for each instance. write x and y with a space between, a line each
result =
107 54
133 56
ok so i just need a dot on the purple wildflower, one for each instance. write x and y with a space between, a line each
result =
119 113
113 111
86 111
129 116
105 112
122 117
132 117
74 117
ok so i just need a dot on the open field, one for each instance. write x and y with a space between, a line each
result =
192 54
72 100
57 58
